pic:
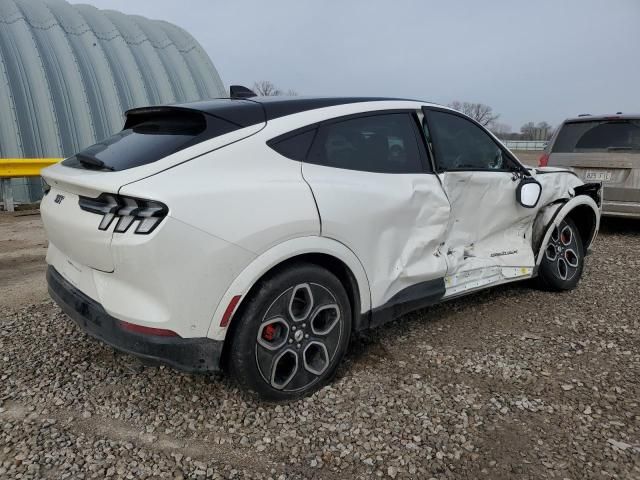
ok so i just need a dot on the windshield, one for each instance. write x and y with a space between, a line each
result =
599 136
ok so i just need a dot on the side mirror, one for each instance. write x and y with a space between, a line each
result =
528 192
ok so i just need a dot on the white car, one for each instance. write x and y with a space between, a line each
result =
256 235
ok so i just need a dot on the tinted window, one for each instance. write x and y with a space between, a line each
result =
296 147
379 143
462 145
599 136
150 137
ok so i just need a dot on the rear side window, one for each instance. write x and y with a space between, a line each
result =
294 147
380 143
598 136
148 137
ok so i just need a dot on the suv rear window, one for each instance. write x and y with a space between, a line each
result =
599 136
150 136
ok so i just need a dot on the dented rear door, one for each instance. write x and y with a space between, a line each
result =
374 193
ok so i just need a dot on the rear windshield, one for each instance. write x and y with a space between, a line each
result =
599 136
148 137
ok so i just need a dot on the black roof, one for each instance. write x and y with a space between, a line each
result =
243 112
275 107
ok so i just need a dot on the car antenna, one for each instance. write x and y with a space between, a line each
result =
238 91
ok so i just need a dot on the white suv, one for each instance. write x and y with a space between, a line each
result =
255 235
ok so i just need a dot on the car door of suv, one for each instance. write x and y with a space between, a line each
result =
377 194
488 238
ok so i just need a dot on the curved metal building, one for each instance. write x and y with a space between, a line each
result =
68 73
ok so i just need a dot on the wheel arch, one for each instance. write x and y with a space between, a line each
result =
586 219
582 210
327 253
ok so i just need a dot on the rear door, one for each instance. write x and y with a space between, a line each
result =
377 195
488 235
606 151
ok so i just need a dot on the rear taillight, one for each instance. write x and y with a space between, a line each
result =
543 160
127 210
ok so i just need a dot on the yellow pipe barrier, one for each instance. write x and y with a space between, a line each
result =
24 167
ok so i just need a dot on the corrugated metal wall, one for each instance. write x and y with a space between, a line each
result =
68 73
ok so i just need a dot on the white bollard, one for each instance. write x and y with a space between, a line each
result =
7 194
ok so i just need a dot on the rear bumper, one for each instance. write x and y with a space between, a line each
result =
186 354
620 209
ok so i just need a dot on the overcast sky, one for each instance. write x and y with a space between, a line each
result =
530 60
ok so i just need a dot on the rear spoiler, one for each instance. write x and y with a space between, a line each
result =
239 113
135 116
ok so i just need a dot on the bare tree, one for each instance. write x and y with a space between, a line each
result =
528 131
265 88
533 131
481 113
500 130
544 130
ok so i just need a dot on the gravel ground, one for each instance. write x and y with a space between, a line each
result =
509 383
22 249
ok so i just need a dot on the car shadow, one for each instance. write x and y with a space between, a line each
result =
368 347
623 226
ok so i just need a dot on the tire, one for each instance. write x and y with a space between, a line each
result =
563 260
291 335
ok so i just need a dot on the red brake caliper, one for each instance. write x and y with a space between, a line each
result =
269 332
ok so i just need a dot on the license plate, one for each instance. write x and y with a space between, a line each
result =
598 175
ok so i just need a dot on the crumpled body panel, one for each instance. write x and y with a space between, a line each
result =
466 228
422 249
487 227
489 235
395 224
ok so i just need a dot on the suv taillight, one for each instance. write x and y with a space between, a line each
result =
543 160
127 210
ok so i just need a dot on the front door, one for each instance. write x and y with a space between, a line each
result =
489 233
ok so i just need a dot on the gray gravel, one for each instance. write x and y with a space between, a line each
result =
510 383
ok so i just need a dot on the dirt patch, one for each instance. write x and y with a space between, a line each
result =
23 247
